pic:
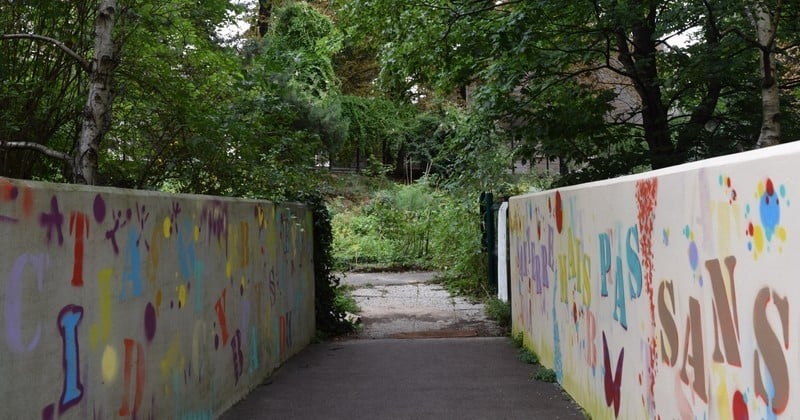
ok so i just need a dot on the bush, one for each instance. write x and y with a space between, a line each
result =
391 229
499 311
415 226
545 375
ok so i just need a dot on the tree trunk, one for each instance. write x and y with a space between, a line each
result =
695 130
264 15
97 113
765 27
640 65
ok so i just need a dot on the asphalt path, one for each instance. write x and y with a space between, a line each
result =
421 354
455 378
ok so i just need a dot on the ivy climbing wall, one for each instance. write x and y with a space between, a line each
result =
118 303
670 294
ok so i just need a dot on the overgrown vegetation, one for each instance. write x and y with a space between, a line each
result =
499 311
329 311
345 302
417 226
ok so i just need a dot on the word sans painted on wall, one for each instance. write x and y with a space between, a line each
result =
670 294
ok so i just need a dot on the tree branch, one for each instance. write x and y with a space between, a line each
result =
55 154
85 65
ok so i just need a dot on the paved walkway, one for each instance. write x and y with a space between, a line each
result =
467 376
410 305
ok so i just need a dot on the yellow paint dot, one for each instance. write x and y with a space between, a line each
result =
196 233
782 233
758 239
228 269
167 227
109 364
158 300
182 296
244 282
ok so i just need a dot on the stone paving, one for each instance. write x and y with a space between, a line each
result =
409 305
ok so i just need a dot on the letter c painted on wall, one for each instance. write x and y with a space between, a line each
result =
13 302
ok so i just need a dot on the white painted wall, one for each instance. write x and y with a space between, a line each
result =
670 294
119 303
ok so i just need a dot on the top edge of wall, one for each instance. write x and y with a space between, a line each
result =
784 150
122 191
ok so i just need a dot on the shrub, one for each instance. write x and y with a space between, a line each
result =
545 375
499 311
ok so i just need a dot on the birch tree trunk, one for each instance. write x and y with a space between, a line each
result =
97 113
766 25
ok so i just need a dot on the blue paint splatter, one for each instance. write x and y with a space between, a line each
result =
770 213
133 270
557 362
693 257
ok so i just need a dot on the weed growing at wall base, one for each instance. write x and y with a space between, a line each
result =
499 311
545 375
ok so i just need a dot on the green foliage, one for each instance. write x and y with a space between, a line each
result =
527 356
345 302
545 375
391 229
328 308
413 226
375 168
540 73
42 89
499 311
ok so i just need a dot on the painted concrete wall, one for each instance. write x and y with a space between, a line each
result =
672 294
131 304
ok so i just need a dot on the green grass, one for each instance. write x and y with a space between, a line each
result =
545 375
527 356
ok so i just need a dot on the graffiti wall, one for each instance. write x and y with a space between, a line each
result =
670 294
131 304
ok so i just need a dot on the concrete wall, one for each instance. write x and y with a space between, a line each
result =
672 294
131 304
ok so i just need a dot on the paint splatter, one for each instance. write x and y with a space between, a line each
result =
559 213
727 183
646 200
99 208
770 210
739 406
149 321
693 257
763 231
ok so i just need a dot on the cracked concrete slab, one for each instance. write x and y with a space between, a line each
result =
411 305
